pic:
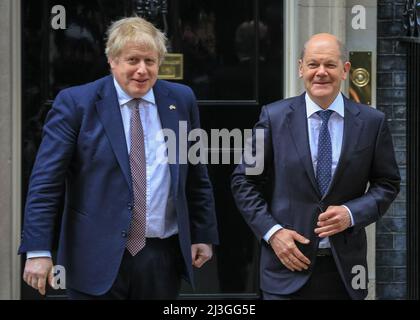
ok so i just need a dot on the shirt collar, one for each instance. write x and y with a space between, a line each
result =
337 105
123 97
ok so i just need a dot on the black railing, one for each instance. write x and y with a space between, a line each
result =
412 40
412 18
413 168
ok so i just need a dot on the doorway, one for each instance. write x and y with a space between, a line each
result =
232 59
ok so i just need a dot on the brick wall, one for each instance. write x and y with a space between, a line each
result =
391 99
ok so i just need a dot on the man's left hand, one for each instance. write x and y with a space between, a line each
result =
336 219
201 253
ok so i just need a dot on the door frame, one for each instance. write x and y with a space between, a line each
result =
291 47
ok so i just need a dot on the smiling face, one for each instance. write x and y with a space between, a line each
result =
135 69
322 69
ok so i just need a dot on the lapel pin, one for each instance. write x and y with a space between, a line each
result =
172 107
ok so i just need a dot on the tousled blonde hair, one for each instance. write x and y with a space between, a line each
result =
134 30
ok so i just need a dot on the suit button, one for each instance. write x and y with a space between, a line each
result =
124 234
130 207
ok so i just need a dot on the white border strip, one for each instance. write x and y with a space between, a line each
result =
15 47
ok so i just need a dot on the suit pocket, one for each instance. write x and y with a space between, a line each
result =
74 213
363 148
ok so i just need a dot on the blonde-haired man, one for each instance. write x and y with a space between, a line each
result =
131 226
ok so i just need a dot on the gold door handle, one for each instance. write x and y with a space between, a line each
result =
360 77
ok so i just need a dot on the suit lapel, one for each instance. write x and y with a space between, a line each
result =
298 126
169 118
353 126
110 115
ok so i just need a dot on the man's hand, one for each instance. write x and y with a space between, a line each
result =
201 253
283 244
36 272
336 219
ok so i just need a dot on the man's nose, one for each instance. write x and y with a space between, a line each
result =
322 71
141 67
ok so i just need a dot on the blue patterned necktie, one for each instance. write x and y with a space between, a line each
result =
323 168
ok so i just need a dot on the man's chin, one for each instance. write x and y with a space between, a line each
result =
137 93
324 93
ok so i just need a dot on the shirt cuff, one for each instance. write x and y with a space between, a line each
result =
351 215
272 231
38 254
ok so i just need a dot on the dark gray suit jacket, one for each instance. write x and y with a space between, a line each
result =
286 192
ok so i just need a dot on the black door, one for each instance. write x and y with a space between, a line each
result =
232 58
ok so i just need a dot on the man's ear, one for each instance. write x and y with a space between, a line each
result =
347 67
112 62
300 68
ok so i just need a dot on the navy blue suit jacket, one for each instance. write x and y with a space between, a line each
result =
286 192
84 149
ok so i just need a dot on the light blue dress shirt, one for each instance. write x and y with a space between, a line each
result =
336 129
161 220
